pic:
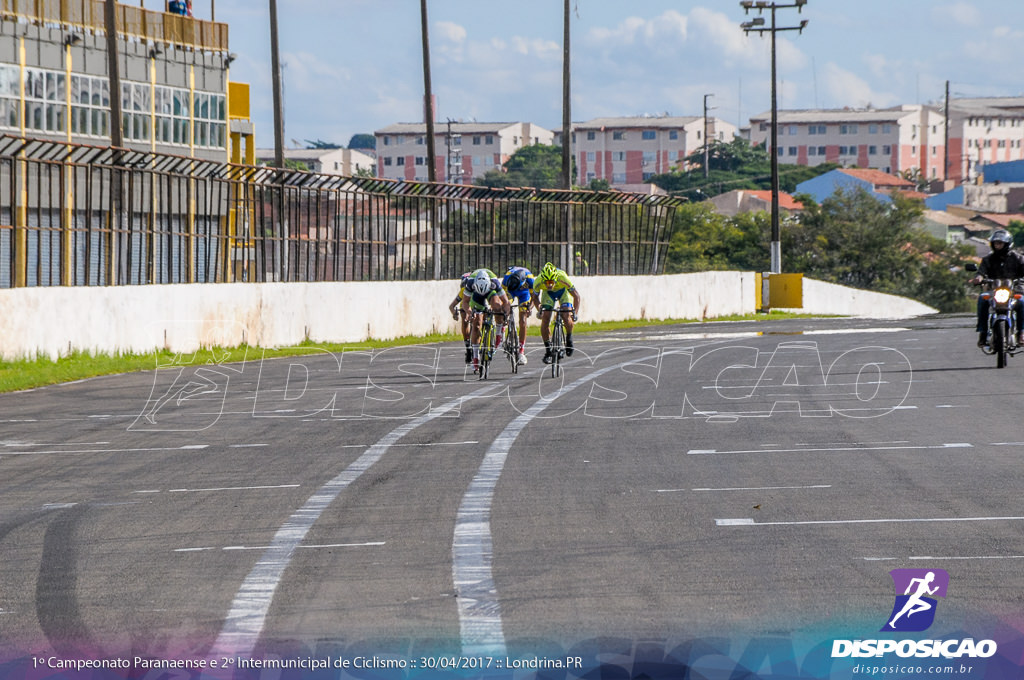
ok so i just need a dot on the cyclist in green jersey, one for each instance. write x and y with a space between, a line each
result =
553 287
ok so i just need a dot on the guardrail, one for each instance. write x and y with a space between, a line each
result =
76 215
135 22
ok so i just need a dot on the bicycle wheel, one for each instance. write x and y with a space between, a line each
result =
557 347
512 344
486 342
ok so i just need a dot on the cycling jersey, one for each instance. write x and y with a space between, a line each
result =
552 291
522 293
478 302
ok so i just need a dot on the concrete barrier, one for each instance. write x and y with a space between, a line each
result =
55 321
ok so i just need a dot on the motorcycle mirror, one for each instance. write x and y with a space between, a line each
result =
971 267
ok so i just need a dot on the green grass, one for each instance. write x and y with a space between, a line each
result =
28 373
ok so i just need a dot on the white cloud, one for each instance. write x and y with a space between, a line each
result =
845 88
450 31
959 13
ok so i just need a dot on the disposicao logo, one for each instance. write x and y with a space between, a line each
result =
916 590
914 611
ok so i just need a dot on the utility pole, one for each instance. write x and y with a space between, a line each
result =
945 165
114 73
275 68
756 25
707 143
428 98
567 255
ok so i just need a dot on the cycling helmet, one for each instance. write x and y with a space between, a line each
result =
515 281
549 271
1000 236
482 284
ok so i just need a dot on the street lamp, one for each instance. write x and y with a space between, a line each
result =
757 25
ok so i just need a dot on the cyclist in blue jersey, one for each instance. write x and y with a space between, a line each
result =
518 283
482 290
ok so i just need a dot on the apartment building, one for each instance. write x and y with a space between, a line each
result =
464 151
628 151
175 89
346 162
983 131
901 139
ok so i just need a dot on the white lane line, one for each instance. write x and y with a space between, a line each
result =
229 548
1007 444
472 547
754 488
222 488
969 557
9 444
244 621
189 447
838 449
363 446
247 446
751 522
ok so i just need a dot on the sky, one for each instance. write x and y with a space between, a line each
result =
355 66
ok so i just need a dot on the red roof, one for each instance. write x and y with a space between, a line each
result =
785 200
1003 219
878 178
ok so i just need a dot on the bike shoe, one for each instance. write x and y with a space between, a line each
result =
568 347
522 358
548 356
469 356
1020 339
982 340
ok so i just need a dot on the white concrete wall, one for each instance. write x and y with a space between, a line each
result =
829 298
54 321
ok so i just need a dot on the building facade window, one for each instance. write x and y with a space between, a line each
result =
648 134
10 97
792 151
173 124
45 100
591 135
619 135
673 134
90 106
210 115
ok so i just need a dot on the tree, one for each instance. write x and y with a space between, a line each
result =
538 165
362 140
733 165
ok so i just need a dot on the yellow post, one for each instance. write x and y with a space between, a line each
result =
19 277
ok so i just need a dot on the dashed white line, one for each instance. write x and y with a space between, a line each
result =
838 449
222 488
750 522
229 548
754 488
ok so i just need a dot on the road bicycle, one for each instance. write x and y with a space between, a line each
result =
486 343
558 341
511 343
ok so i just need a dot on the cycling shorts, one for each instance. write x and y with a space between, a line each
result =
551 299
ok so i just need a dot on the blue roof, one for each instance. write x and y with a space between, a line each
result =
954 196
1010 171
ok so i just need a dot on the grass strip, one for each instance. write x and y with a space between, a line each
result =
23 374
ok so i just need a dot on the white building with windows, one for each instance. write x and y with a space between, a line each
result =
175 91
909 138
464 151
346 162
628 151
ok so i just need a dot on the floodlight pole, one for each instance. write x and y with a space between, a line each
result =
757 26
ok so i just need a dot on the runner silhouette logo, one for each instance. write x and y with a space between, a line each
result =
916 590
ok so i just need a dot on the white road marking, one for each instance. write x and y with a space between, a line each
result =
974 557
84 451
755 488
838 449
247 446
751 522
363 446
1007 444
229 548
223 488
244 621
472 548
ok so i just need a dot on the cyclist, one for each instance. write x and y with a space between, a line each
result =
518 283
483 289
464 325
550 291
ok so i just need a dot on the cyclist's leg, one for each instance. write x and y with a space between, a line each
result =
568 323
466 326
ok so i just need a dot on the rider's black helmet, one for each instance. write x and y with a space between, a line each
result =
515 280
1001 236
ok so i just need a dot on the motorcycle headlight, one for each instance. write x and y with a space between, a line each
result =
1002 296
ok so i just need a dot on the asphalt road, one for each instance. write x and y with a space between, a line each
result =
676 482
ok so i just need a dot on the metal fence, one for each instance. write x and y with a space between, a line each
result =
93 216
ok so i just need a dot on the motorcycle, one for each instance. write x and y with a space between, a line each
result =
1002 316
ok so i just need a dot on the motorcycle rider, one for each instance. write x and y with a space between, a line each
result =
1001 263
